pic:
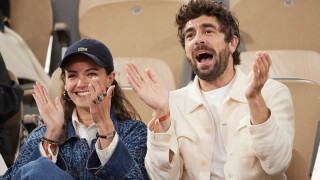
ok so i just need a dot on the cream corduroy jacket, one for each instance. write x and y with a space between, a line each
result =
253 151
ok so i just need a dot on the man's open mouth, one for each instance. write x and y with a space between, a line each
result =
203 56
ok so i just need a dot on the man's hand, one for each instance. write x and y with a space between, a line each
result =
153 93
257 78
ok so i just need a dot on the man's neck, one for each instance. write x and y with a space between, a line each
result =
220 82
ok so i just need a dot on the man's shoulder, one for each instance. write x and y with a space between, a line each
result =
180 92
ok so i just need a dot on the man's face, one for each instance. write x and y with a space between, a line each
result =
206 49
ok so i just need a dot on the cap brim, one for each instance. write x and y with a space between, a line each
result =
65 60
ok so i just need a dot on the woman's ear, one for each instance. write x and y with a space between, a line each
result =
111 78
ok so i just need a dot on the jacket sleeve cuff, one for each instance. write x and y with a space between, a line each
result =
105 154
261 131
117 166
159 145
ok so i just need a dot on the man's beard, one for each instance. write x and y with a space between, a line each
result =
219 67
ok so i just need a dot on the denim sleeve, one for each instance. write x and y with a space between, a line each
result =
29 152
127 161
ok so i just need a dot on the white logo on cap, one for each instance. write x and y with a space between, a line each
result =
82 49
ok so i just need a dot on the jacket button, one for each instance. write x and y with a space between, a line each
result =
203 163
252 132
208 131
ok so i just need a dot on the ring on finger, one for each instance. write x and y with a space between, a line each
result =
96 101
100 97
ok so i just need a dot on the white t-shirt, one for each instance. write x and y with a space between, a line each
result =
214 101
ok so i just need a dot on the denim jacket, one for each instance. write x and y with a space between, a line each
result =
82 162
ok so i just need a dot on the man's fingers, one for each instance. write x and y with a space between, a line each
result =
136 70
135 77
152 75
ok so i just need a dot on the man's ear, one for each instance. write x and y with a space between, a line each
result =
233 44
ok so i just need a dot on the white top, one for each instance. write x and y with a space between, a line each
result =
89 134
214 100
3 166
316 167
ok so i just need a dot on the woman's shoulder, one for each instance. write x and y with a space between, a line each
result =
38 132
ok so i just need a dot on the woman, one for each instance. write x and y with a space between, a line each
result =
88 134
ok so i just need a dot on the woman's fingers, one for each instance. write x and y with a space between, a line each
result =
109 92
58 104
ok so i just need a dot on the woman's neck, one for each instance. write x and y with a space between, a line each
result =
84 117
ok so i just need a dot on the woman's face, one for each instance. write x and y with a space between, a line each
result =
78 75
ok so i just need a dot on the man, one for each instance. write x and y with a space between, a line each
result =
10 99
224 125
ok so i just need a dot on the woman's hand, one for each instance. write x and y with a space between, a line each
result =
100 108
53 116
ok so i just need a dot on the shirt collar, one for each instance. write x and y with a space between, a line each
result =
236 91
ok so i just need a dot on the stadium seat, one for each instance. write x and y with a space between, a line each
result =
20 59
279 24
306 103
287 63
142 28
297 169
33 21
13 125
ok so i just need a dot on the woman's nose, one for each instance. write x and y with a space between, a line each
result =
82 82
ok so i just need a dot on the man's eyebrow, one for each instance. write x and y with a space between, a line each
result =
188 30
206 25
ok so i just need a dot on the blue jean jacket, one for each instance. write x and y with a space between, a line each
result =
81 161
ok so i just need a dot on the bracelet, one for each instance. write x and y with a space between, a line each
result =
157 120
165 117
107 136
46 146
44 139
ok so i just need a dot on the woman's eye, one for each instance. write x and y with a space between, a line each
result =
92 74
71 76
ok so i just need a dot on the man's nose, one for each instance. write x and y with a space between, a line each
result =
199 39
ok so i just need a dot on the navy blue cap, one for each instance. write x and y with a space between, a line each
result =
92 48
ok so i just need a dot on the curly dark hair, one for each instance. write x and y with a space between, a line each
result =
227 20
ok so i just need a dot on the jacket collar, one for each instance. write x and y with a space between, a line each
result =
238 88
236 92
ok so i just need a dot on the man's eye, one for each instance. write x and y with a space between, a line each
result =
209 31
190 35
